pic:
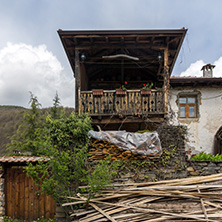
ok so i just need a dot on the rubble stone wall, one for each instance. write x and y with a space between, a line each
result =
203 168
176 168
2 200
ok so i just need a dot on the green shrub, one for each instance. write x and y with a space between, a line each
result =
7 219
204 157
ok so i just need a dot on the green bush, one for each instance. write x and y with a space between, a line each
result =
7 219
204 157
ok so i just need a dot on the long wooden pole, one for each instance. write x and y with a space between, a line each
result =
166 79
77 82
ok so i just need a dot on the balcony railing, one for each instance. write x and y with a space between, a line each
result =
130 103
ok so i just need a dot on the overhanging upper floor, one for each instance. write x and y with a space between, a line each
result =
106 59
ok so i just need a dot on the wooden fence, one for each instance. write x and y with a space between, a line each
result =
22 200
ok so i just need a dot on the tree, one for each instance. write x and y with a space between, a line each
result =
28 137
56 111
66 149
63 141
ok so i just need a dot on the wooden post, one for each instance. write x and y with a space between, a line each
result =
166 80
77 82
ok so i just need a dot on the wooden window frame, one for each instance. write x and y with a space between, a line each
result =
187 106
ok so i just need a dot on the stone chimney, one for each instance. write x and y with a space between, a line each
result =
208 70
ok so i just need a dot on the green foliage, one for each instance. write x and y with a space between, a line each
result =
145 131
56 110
28 136
66 147
148 85
207 157
99 176
7 219
167 154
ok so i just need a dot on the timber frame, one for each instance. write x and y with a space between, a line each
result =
106 59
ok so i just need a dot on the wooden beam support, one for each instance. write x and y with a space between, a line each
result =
77 82
166 79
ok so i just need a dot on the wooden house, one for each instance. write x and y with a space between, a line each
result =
104 62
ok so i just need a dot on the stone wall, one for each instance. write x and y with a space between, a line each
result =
153 170
176 168
2 200
203 168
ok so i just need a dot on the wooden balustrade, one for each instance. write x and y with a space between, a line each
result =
131 103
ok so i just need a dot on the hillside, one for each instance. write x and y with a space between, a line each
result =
10 118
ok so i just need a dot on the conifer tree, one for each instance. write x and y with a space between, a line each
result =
28 137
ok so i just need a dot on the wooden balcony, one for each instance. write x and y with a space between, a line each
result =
130 103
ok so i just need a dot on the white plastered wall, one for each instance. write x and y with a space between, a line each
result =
201 131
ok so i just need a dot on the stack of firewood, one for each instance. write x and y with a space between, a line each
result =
188 199
100 150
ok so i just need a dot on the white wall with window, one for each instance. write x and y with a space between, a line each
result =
200 109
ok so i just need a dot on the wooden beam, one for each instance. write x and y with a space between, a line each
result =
166 79
118 45
77 82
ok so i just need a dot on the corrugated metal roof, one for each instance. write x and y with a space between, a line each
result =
22 159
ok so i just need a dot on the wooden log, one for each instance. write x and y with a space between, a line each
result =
98 209
202 204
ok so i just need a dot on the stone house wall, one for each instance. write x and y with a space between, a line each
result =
201 130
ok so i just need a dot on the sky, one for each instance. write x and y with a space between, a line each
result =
32 58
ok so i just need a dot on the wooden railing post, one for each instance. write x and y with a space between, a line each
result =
133 103
166 80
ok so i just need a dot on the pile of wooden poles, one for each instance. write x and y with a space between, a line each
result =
188 199
100 150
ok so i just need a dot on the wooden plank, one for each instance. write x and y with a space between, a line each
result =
35 202
22 196
31 200
9 194
202 204
41 205
17 192
53 207
102 212
145 210
26 216
47 207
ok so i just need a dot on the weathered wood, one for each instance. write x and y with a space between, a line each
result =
77 82
120 56
202 204
166 79
143 210
99 209
131 103
21 198
160 201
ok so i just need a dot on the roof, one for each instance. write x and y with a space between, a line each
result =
195 81
143 44
22 159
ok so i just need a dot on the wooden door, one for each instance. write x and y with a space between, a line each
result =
22 200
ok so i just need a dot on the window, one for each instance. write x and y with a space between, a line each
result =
188 106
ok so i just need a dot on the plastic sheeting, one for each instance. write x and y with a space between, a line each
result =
141 143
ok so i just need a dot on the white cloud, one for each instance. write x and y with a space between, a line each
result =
195 69
217 72
25 68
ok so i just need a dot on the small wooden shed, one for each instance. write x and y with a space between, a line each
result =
22 200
